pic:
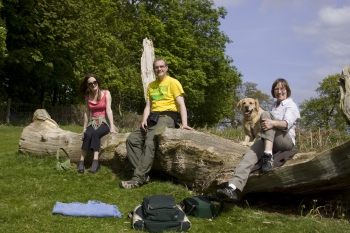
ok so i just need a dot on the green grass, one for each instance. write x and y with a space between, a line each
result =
30 187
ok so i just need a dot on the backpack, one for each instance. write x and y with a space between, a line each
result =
202 206
159 213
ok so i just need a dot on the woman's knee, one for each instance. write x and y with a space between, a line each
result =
265 115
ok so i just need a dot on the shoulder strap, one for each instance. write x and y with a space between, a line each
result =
58 153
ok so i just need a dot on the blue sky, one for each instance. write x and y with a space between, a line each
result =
303 41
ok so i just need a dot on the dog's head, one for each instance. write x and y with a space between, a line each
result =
248 105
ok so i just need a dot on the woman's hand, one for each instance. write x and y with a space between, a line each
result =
267 124
112 130
82 134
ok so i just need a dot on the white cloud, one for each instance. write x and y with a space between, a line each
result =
329 32
337 48
335 16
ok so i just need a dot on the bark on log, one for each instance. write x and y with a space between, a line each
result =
199 160
344 85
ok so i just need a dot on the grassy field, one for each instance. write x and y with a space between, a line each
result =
30 187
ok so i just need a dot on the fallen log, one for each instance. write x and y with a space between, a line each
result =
202 161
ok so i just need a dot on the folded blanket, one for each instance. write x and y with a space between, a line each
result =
90 209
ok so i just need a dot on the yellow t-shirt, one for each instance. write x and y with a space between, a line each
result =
163 94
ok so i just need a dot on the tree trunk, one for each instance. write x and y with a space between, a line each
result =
147 59
344 85
8 112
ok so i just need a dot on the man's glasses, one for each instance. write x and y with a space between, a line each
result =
92 83
158 67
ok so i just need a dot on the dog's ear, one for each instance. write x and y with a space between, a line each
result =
239 105
257 105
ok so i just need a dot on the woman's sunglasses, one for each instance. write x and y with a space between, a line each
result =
92 83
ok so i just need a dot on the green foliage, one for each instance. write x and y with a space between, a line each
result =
53 44
3 54
323 112
196 57
40 42
250 90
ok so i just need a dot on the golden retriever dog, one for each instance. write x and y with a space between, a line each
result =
251 111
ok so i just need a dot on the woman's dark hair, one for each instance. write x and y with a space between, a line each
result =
284 83
84 88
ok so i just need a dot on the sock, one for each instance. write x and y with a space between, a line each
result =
232 186
268 152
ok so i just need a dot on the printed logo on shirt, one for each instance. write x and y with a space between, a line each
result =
159 92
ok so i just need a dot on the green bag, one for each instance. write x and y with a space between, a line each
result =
62 165
159 213
202 206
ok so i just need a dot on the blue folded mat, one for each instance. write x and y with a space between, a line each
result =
90 209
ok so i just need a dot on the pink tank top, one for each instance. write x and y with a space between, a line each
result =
98 109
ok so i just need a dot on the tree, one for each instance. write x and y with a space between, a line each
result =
189 38
3 54
250 90
323 112
53 44
40 40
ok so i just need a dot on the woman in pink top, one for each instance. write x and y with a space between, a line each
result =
98 119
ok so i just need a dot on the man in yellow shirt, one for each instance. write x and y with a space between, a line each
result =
164 105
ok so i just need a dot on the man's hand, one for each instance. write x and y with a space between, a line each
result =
186 127
144 126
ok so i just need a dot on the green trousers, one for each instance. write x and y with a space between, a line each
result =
141 147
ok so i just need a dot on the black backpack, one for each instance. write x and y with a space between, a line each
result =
202 206
159 213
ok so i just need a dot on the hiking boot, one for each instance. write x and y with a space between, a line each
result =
94 167
227 194
130 184
267 162
80 166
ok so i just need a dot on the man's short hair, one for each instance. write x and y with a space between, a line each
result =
160 59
